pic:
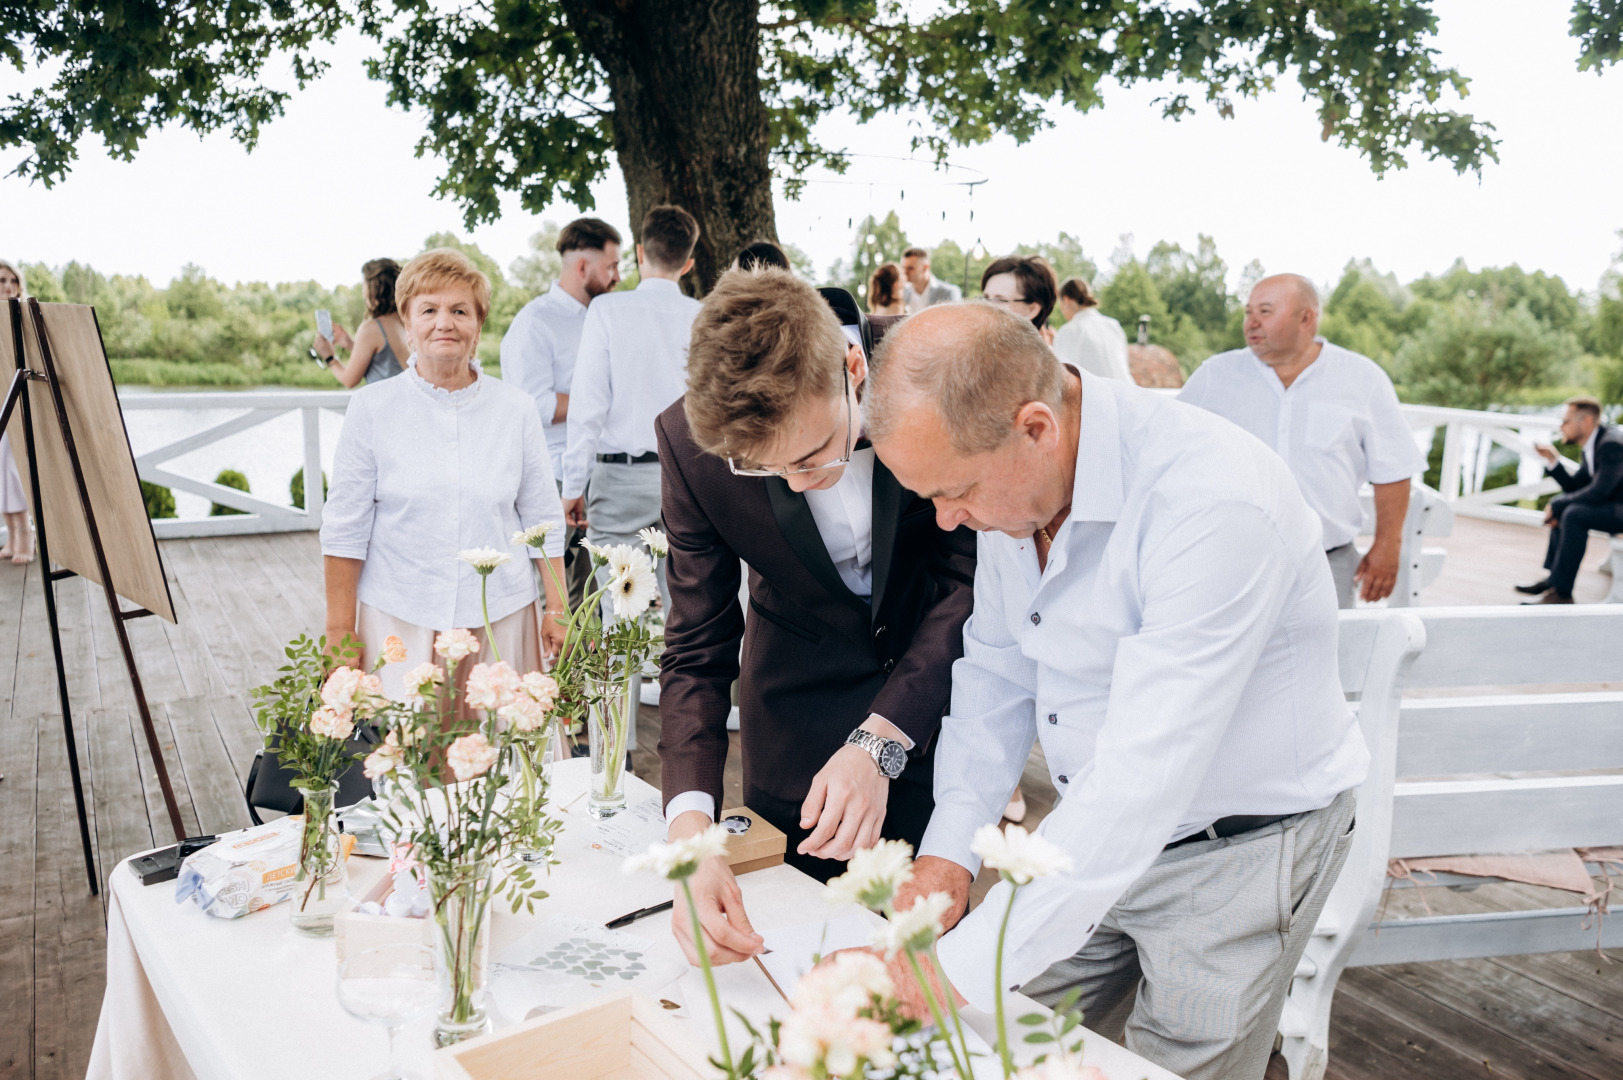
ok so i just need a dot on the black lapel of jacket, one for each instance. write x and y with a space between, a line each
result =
795 520
888 498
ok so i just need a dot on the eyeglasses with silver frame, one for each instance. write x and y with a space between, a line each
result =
843 459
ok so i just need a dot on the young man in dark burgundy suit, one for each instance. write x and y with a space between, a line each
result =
856 599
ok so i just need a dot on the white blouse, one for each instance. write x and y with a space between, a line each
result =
421 473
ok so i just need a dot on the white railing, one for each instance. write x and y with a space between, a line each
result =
1468 443
258 407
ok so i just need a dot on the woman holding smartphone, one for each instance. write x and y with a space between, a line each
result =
378 350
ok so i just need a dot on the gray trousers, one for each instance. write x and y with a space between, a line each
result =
620 499
1343 565
1209 937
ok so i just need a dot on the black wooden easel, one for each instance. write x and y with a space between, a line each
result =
49 577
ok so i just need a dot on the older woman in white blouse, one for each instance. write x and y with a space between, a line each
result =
440 460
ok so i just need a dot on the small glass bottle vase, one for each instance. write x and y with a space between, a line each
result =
532 762
608 725
321 885
460 908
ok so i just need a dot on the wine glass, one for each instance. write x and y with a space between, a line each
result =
390 985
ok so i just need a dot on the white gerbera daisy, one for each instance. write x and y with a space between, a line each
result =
535 536
484 559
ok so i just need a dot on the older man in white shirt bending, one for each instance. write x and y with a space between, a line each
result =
1152 602
1331 414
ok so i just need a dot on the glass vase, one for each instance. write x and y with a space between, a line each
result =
460 907
531 768
321 884
608 725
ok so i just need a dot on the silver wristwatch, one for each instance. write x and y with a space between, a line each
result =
889 756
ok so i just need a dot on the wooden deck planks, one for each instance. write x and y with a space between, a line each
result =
240 599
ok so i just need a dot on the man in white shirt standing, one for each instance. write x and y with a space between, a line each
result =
539 348
1152 602
1090 340
631 364
922 289
1331 414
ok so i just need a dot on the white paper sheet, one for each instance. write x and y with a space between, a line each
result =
794 949
567 961
631 830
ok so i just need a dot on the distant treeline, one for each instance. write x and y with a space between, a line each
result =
1469 339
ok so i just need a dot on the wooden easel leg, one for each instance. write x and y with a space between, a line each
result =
18 385
153 745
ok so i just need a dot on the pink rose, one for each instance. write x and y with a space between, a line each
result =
471 756
456 645
333 721
394 650
524 714
542 689
340 687
490 686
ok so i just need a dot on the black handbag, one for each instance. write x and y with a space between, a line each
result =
270 786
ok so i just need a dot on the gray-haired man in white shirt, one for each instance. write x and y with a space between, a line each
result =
1153 603
1331 414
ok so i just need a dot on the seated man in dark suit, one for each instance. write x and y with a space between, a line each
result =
1591 497
857 600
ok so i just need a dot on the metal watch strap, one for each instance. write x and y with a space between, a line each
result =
875 746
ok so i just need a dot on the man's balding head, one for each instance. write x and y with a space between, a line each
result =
974 365
964 406
1281 319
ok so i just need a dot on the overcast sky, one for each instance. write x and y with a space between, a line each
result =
335 182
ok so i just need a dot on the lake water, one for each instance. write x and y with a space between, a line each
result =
268 455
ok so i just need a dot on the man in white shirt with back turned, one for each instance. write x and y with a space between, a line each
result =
539 348
1331 414
632 364
1152 602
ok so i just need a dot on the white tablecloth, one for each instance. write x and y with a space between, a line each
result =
189 996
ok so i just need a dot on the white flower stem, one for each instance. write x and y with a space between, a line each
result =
709 980
1003 1051
490 636
960 1065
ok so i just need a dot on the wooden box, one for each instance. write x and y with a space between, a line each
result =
753 843
626 1037
356 932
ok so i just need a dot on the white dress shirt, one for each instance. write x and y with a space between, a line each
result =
1177 658
844 517
1093 341
632 364
421 473
538 356
1336 426
935 292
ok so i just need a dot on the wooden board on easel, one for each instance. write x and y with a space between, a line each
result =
103 445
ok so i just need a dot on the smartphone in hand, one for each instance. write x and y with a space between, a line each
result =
324 323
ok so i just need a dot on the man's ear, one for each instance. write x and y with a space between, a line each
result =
1037 422
639 254
682 273
856 362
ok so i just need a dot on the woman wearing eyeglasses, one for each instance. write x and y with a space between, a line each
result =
1025 285
856 602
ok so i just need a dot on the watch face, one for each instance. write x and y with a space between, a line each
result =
892 758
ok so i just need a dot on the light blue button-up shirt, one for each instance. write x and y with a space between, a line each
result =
1183 639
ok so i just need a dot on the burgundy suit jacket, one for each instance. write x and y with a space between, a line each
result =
817 658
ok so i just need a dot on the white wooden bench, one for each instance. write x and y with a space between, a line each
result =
1616 595
1429 515
1500 772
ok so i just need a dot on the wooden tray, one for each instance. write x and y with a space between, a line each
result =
626 1037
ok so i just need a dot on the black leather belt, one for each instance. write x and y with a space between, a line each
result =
1229 826
627 459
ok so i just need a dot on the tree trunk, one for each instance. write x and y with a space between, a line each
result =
690 127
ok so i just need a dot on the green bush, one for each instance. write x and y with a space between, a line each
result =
295 488
230 478
1470 355
159 499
